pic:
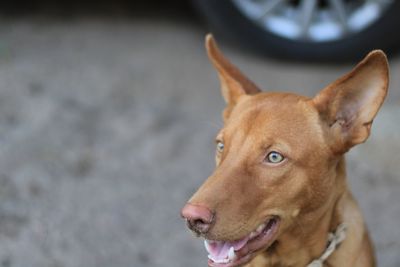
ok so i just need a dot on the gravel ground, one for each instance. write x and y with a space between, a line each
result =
107 127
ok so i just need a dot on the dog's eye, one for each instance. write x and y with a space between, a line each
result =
220 146
274 157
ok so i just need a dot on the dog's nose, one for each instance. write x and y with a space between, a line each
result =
199 218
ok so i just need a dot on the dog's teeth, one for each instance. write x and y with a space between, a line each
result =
260 228
231 254
207 245
253 234
226 260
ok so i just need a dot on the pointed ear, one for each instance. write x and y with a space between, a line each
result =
350 104
233 82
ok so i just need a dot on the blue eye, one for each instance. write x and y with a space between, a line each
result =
220 146
274 157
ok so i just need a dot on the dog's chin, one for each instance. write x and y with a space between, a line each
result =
239 252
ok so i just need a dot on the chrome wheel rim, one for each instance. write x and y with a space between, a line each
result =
313 20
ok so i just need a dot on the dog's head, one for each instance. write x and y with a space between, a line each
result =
278 156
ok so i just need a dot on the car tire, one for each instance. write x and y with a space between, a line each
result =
225 20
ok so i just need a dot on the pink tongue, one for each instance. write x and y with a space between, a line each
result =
219 250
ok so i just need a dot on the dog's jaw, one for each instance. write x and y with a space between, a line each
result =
239 252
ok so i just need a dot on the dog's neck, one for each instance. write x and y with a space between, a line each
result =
308 237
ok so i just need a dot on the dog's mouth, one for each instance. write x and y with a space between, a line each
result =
234 253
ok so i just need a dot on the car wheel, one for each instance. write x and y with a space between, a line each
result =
322 30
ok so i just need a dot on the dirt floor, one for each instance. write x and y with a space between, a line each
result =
107 127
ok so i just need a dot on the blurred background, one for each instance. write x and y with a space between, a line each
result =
108 112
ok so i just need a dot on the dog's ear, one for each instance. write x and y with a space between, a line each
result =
350 104
233 82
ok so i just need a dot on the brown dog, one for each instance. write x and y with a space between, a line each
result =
279 196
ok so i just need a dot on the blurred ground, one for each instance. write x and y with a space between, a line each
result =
107 127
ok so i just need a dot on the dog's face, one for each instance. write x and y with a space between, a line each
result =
277 157
267 165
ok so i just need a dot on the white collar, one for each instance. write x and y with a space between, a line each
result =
334 239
